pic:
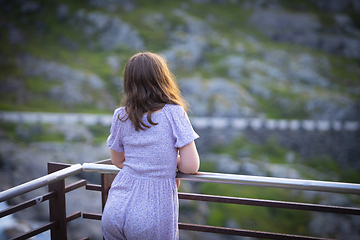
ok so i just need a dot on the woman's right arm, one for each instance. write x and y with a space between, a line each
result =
117 158
189 161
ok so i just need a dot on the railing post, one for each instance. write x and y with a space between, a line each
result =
57 205
106 180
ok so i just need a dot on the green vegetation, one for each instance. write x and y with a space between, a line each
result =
44 35
99 132
263 218
270 150
26 133
43 42
256 218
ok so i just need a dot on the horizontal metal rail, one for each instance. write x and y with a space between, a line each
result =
300 184
41 182
100 168
93 187
27 204
92 216
73 216
270 203
244 232
37 231
75 185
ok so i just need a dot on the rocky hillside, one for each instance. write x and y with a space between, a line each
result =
232 58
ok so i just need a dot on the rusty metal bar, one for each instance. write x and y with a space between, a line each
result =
75 185
27 204
57 206
270 203
73 216
243 232
93 187
92 216
37 231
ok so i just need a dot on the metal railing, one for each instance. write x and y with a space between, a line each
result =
57 190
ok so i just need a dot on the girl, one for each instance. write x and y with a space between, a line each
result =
149 139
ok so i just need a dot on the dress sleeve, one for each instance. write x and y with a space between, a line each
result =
114 140
182 129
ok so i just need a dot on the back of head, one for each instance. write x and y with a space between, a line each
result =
148 86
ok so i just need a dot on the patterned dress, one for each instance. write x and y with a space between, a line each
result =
143 202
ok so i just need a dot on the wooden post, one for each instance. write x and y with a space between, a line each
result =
57 205
106 180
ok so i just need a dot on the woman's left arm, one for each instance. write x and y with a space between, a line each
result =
117 158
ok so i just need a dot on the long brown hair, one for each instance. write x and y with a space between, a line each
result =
148 86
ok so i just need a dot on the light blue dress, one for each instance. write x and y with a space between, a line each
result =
143 201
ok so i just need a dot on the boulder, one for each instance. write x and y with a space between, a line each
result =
107 32
71 86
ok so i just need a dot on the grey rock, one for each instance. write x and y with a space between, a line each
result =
68 43
284 21
346 24
74 86
235 65
330 107
304 69
62 11
269 70
106 31
282 171
334 225
258 86
276 57
305 29
251 169
114 5
338 6
114 63
15 35
73 133
29 7
156 20
262 4
221 2
217 97
351 47
187 44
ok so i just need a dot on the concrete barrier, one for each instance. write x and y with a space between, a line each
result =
197 122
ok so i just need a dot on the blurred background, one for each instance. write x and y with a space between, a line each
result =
234 59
